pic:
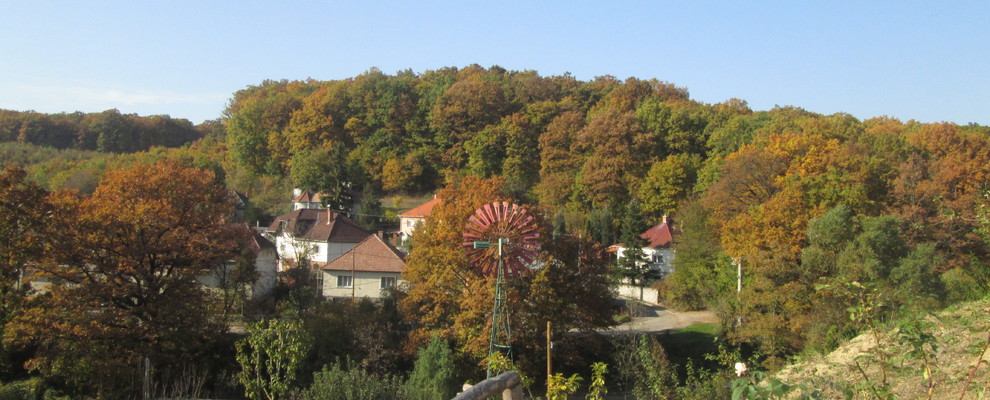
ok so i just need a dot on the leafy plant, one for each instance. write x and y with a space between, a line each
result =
558 387
271 356
597 389
433 375
658 380
759 386
914 334
353 383
498 363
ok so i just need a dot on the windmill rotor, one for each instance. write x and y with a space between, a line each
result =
508 223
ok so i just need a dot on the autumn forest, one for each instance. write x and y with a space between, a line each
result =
840 225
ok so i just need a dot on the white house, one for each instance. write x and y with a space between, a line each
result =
317 235
659 248
659 254
265 264
409 220
303 199
365 270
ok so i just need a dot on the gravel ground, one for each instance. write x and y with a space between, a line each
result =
648 318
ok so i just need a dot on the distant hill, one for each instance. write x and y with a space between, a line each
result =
108 131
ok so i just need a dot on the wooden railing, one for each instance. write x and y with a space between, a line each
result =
508 384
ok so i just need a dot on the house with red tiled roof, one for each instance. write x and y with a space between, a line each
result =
317 235
659 249
304 200
409 220
366 270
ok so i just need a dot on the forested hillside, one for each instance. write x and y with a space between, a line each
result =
821 209
827 213
108 131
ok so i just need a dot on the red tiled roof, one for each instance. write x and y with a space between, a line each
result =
422 210
307 197
659 236
321 225
371 255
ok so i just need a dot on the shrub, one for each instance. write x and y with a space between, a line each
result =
433 374
352 383
29 389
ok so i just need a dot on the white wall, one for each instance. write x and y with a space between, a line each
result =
290 249
408 224
649 295
266 265
366 284
665 257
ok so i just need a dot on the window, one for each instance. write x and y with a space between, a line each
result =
388 282
344 281
657 258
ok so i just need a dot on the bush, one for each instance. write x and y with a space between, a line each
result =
433 375
30 389
961 286
353 383
701 384
641 365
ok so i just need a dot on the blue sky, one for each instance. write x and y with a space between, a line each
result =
926 61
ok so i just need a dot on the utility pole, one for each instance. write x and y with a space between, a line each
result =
738 264
549 359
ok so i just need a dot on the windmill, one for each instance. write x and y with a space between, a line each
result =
502 241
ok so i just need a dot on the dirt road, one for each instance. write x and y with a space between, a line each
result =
653 318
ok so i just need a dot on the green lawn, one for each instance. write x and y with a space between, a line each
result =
692 342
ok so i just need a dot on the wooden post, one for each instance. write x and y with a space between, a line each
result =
353 284
549 358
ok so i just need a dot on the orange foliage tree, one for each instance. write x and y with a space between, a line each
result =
129 256
24 215
449 298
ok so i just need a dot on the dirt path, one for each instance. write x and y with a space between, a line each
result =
653 318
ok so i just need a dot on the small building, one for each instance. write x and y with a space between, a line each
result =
265 265
366 270
409 220
317 235
304 200
659 247
659 253
240 203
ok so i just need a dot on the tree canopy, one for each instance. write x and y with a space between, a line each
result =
131 253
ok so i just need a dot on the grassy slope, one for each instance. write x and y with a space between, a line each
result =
959 333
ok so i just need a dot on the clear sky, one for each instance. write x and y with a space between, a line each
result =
922 60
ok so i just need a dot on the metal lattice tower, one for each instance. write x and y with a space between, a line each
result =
503 243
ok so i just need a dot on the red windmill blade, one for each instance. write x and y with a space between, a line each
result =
506 221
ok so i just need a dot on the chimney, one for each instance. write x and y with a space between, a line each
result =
380 234
666 220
